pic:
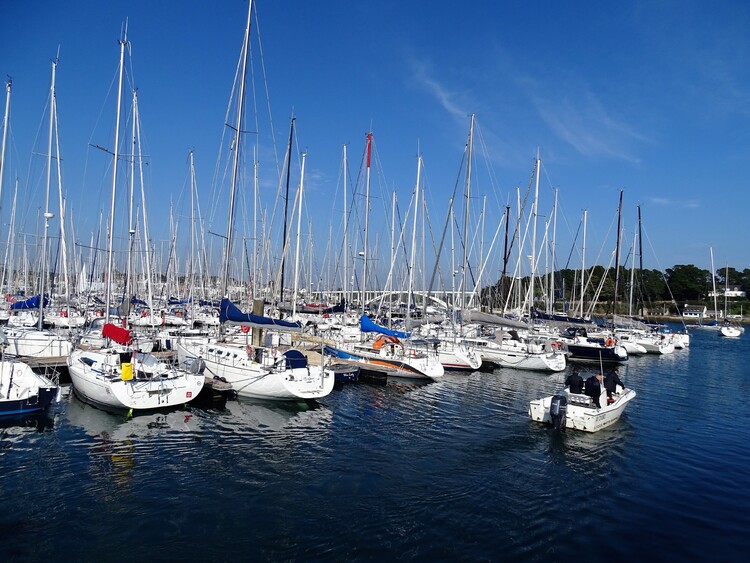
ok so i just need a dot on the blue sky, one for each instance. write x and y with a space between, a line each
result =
649 97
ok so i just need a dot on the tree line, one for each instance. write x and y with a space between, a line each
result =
683 283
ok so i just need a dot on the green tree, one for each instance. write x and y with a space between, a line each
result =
688 282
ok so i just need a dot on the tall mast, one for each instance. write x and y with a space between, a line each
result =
6 119
131 229
47 214
286 206
367 221
254 276
583 259
464 262
713 283
146 241
640 257
617 255
534 211
192 236
346 221
110 230
236 157
552 258
413 242
61 200
632 274
299 225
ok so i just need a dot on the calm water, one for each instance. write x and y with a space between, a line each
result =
436 472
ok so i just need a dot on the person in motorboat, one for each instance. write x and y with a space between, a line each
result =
574 381
611 382
594 388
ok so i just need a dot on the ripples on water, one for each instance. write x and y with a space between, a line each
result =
452 470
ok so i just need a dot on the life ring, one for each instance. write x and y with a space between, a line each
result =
144 313
64 313
250 351
555 345
99 313
245 329
610 342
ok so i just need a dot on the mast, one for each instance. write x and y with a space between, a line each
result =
583 259
534 215
713 282
47 214
299 225
286 206
61 200
115 154
466 211
640 258
346 258
147 244
131 229
192 237
632 273
413 242
6 119
617 256
367 221
552 258
236 157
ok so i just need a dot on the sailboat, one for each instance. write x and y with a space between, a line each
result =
253 370
27 341
21 389
116 376
728 329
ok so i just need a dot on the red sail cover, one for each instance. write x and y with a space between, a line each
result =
119 335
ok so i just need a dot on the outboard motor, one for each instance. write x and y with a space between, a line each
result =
558 410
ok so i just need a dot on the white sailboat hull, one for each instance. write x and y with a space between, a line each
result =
269 379
96 376
27 342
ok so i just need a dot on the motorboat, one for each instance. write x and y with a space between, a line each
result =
579 411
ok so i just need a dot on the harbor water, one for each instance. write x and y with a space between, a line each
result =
446 471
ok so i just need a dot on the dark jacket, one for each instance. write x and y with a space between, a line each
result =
575 382
593 387
611 381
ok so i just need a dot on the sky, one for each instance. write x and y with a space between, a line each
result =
652 98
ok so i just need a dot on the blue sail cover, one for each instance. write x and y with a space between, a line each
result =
229 312
367 325
30 303
135 301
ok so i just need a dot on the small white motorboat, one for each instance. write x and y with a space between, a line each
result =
578 411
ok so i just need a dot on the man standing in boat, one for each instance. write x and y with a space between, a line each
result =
594 388
574 381
611 382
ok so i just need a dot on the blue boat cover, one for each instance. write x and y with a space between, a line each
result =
367 325
229 312
135 301
30 303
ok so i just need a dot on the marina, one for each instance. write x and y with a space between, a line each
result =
334 348
445 470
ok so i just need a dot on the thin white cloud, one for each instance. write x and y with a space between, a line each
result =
589 128
684 203
445 97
